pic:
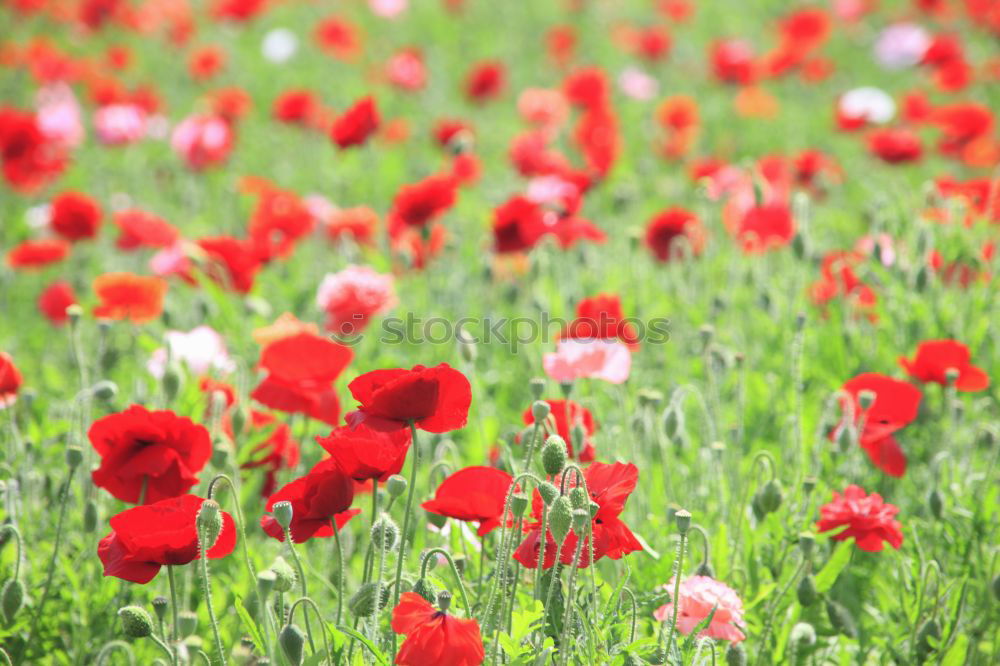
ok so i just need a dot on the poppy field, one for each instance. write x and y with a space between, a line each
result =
458 332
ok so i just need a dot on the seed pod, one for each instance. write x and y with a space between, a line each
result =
136 622
282 512
683 520
560 519
292 642
537 387
285 576
840 619
160 605
396 485
11 598
806 591
74 456
554 455
806 543
444 600
548 492
736 655
540 411
580 519
209 523
187 623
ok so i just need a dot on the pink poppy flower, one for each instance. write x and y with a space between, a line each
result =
201 349
698 596
119 124
353 296
580 359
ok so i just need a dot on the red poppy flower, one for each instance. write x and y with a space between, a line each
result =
298 107
279 220
300 374
935 357
418 203
206 62
473 494
765 226
667 227
652 42
588 88
364 454
145 538
568 414
233 263
230 104
485 81
448 130
596 135
30 159
868 519
435 399
322 495
75 216
733 62
518 224
896 404
417 246
560 43
128 296
54 300
338 38
895 145
602 317
356 124
10 380
143 229
237 10
837 279
610 487
358 223
961 124
433 636
159 450
276 452
38 253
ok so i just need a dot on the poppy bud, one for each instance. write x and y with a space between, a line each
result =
554 455
936 503
581 519
560 518
540 411
436 519
109 359
90 516
385 533
923 277
683 520
424 589
803 635
74 456
238 420
548 492
705 569
187 623
104 390
171 381
808 484
841 620
444 600
577 434
74 313
806 590
136 622
928 630
284 575
537 387
770 496
220 453
594 508
11 599
736 655
209 523
459 561
799 246
292 642
282 512
806 543
160 605
578 498
362 604
650 398
396 485
265 583
518 504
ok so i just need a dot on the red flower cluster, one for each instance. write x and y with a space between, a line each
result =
867 519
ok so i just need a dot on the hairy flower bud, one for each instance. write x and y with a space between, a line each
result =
554 455
560 519
578 498
384 533
292 642
363 603
285 577
548 492
11 599
209 523
424 588
136 622
841 620
771 496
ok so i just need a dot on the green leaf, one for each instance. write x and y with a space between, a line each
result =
255 634
375 652
827 576
955 656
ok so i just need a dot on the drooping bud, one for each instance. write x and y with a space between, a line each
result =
548 492
518 505
736 655
136 622
803 635
806 591
396 485
187 623
362 603
771 496
560 519
425 589
554 455
292 642
540 411
11 599
282 512
104 390
841 620
285 576
209 523
436 519
683 520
